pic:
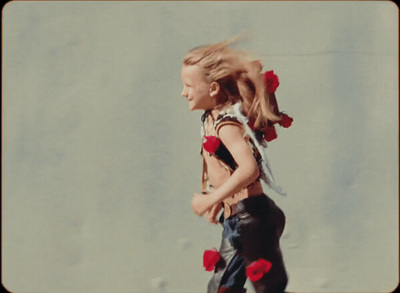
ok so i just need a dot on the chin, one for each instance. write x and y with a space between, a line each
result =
193 107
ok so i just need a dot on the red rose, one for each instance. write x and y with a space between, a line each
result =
257 269
210 259
211 144
286 121
271 81
270 133
251 125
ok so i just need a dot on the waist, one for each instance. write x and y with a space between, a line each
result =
230 204
252 190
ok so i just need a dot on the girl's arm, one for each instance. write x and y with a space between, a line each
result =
211 214
246 172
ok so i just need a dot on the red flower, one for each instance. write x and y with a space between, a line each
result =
210 259
251 125
270 133
257 269
286 121
211 144
271 81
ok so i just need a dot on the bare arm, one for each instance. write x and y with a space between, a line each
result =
246 172
211 214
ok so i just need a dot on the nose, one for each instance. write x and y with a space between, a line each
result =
184 93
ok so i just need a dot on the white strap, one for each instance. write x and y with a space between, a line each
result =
268 177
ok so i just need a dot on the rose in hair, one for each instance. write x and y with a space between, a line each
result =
286 121
270 133
271 81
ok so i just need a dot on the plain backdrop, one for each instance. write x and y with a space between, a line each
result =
101 154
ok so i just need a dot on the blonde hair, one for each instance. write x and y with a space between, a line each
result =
240 80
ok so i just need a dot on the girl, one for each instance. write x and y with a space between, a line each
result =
240 113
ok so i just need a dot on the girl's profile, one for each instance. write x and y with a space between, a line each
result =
240 116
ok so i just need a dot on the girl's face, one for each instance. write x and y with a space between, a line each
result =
197 89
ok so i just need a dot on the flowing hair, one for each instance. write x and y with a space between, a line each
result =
240 80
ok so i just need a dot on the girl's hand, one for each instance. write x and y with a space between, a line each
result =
201 203
211 214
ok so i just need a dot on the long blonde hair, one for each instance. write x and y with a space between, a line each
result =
240 80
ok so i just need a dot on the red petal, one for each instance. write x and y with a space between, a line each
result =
270 133
286 121
255 276
211 144
266 265
256 270
271 81
251 125
210 259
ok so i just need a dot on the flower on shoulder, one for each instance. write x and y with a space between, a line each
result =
210 259
270 133
211 143
286 121
256 270
271 81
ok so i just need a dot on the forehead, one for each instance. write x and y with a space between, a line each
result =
193 73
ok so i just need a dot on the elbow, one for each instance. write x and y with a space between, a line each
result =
248 173
254 173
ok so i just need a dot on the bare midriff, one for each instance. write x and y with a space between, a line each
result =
218 174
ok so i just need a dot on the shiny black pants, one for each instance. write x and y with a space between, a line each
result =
251 234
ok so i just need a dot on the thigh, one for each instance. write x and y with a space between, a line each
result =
261 224
230 270
260 230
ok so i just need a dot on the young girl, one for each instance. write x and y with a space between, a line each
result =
240 114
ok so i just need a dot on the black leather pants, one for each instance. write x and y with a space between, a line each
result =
260 224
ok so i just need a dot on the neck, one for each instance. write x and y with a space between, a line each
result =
216 110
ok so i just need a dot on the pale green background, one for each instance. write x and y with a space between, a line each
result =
101 155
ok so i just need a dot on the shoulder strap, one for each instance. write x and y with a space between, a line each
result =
227 118
267 177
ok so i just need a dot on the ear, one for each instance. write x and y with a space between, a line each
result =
214 89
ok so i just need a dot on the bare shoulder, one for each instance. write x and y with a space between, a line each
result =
231 134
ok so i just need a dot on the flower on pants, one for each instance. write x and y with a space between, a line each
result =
258 269
210 259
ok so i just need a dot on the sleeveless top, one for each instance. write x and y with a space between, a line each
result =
234 116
